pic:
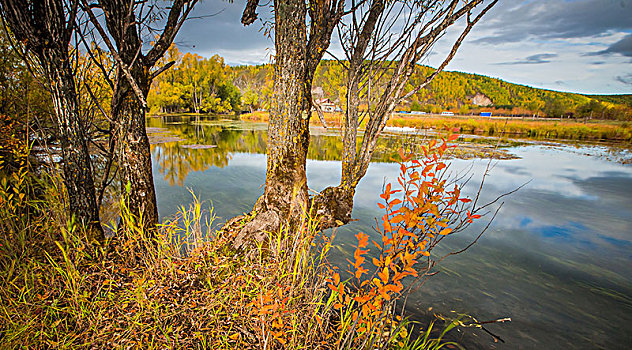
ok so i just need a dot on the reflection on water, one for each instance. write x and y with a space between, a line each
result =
557 260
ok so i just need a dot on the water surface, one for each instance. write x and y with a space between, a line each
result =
557 259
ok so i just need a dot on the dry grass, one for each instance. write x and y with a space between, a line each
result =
182 287
540 129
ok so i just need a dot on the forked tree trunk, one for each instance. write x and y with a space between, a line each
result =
334 204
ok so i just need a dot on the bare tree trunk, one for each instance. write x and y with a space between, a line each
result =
129 101
134 156
76 164
45 31
286 200
285 197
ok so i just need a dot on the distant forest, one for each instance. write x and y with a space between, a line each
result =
208 85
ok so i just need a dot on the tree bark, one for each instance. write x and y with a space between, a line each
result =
285 198
77 167
134 156
43 27
130 95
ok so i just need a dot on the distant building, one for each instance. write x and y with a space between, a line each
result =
447 113
326 105
486 114
417 113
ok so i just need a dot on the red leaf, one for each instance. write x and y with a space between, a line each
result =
453 137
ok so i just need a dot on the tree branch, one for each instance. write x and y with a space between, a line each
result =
122 65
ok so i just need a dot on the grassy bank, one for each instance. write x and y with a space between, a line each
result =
538 129
184 286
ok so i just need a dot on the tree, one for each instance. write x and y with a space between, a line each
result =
372 51
298 53
127 22
43 29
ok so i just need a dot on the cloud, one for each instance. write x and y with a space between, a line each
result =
625 79
215 27
534 59
623 47
556 19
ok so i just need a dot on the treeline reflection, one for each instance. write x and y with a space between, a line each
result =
207 143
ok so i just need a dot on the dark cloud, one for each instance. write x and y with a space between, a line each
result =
534 59
623 47
216 26
625 79
556 19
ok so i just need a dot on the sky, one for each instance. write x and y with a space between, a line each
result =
582 46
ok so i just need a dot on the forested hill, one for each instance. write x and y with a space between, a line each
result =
615 99
189 88
462 92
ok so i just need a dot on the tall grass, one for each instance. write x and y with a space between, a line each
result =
523 128
538 129
180 287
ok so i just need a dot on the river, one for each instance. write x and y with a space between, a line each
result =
557 259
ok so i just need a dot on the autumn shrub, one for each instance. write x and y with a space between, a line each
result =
426 207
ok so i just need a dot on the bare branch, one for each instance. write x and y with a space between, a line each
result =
162 69
174 21
124 68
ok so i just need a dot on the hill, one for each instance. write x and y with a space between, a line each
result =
461 93
614 99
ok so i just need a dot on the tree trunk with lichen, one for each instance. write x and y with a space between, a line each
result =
134 156
130 95
76 164
286 198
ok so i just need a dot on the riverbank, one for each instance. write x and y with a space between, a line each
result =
184 285
534 128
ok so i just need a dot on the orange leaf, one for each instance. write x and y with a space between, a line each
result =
363 239
384 275
445 231
397 219
360 271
